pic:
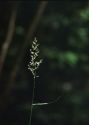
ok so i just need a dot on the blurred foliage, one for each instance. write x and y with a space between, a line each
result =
63 35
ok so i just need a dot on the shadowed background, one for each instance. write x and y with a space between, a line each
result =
62 30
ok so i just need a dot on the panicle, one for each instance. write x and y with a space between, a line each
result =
34 63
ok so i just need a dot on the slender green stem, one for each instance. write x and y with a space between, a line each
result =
32 101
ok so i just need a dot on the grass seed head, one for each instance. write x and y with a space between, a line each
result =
35 62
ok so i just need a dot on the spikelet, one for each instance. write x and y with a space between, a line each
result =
34 63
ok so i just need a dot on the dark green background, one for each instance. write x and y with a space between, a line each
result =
63 35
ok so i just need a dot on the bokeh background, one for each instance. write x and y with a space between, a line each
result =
62 30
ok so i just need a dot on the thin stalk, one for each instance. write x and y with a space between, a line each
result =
33 92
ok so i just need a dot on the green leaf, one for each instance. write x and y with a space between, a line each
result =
71 58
